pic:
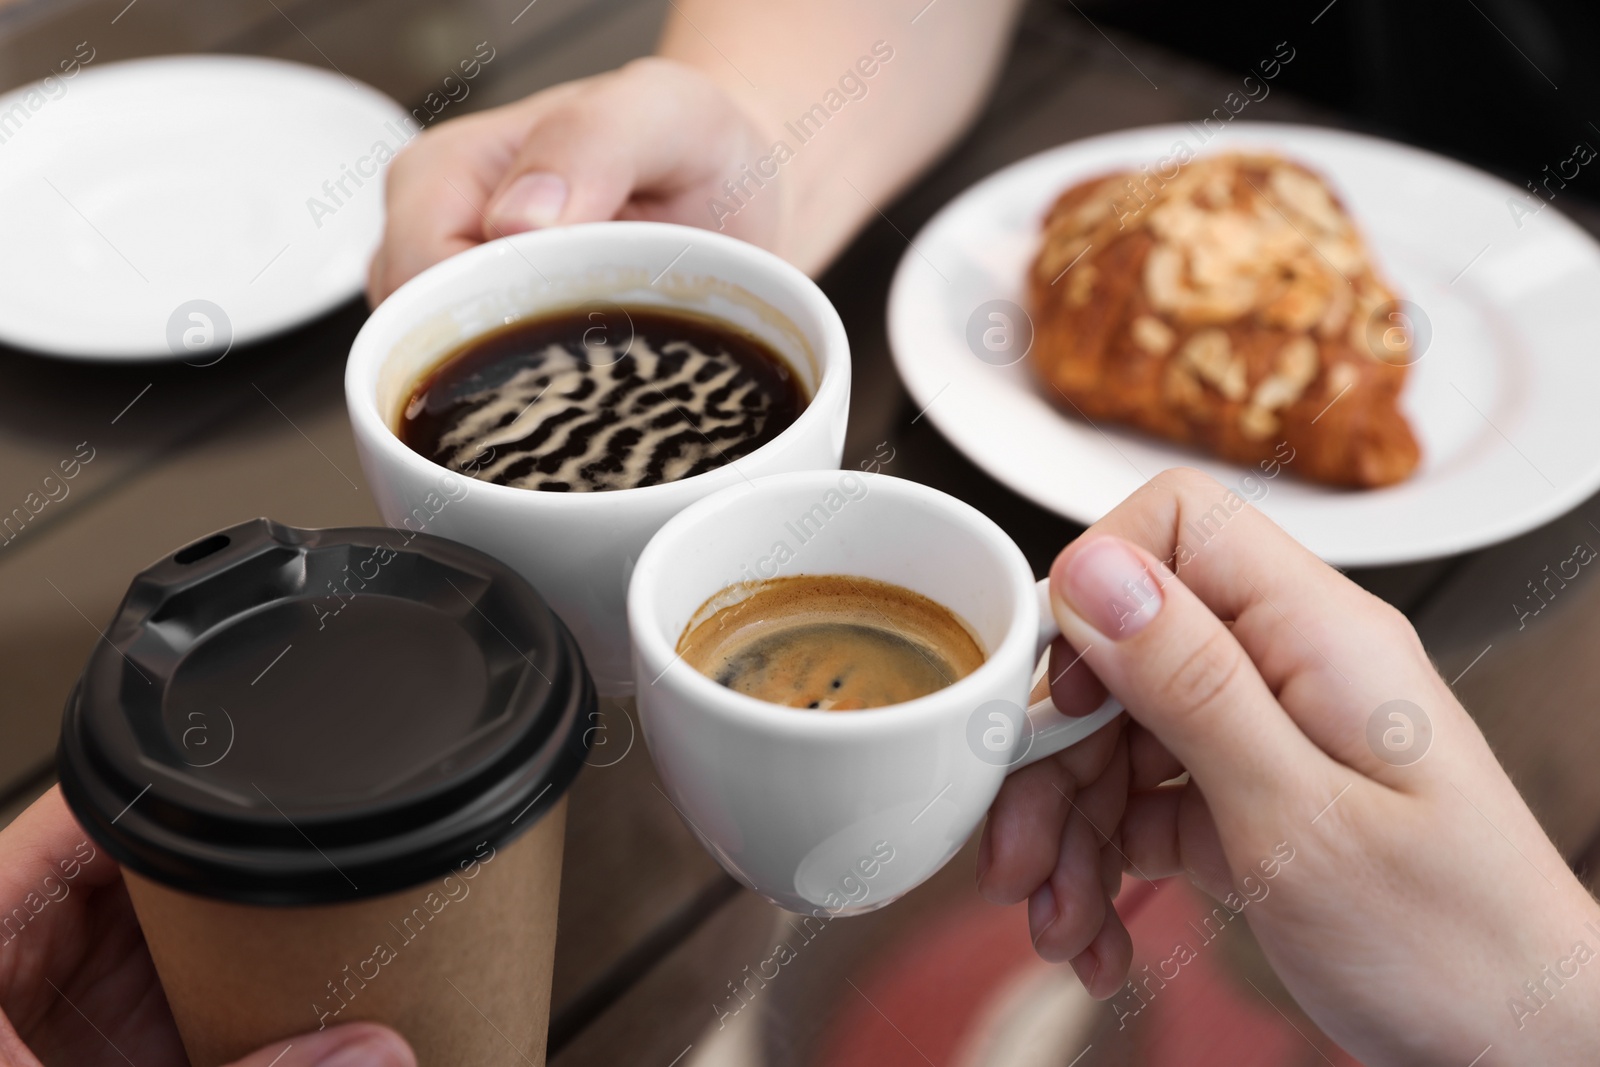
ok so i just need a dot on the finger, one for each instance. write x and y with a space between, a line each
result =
1149 762
652 129
1078 884
1170 831
350 1045
1073 687
1333 652
1112 863
435 191
66 914
1101 799
392 267
1149 833
1182 676
1103 966
1022 836
14 1052
1017 850
409 249
1228 552
45 840
1066 912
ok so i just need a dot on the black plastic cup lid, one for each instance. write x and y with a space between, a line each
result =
287 716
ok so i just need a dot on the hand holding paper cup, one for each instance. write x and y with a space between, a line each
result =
333 766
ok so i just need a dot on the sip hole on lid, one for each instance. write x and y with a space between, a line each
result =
201 549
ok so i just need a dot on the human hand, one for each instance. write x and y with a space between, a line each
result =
654 139
1404 906
76 982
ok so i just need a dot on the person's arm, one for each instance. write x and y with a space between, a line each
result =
773 98
782 61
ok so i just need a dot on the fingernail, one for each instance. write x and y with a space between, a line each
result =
1090 962
530 202
1110 588
370 1047
985 855
1041 911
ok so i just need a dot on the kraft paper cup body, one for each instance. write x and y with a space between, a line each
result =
579 549
425 961
333 766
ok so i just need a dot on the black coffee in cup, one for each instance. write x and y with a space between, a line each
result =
332 764
600 398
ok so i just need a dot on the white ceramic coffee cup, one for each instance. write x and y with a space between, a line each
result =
578 549
842 812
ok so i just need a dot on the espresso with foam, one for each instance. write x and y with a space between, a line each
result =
589 400
829 642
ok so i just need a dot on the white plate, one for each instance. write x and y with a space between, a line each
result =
1505 400
132 189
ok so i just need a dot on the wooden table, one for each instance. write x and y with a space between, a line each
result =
653 937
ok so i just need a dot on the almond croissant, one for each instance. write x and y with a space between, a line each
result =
1232 306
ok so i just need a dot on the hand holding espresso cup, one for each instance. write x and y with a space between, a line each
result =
1338 798
859 588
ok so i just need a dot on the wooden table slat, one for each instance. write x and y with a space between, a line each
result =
651 936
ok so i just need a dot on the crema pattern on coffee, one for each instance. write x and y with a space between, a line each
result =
586 401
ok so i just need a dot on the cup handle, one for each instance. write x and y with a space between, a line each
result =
1049 730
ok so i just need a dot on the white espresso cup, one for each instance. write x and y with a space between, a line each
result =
841 812
579 549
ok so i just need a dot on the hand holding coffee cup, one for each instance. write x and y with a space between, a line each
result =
903 628
80 937
332 766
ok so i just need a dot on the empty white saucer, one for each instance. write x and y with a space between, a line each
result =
172 207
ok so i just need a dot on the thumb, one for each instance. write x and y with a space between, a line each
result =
1183 676
561 153
350 1045
652 129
